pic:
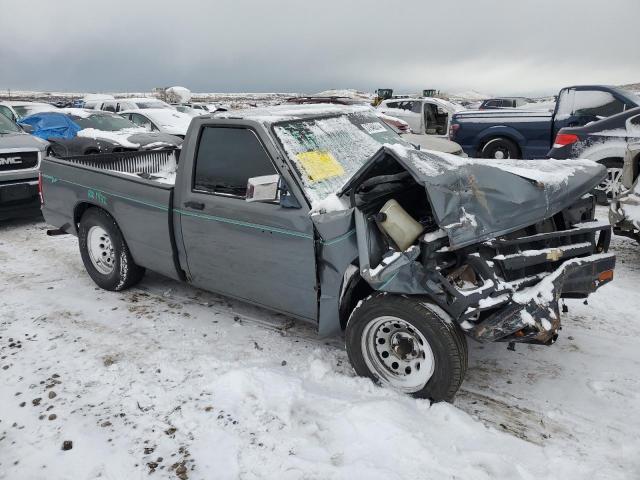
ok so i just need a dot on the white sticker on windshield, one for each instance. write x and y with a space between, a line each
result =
373 127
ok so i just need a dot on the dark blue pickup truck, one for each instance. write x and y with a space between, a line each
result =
515 133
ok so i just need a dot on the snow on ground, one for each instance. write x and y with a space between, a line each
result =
167 381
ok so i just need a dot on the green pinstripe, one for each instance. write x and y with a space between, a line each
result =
215 218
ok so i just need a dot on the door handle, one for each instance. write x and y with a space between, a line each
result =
194 205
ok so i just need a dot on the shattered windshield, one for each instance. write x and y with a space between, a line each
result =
326 152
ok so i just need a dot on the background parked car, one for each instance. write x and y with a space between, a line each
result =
16 110
425 115
604 141
160 120
82 132
504 102
92 100
426 142
122 104
190 111
20 156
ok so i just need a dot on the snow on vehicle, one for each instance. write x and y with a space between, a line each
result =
73 131
17 110
325 214
123 104
605 142
160 120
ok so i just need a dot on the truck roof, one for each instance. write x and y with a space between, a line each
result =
281 113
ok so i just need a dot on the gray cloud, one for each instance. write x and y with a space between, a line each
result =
495 46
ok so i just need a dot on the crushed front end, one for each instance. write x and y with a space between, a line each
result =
504 289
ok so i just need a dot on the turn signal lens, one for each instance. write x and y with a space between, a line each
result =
605 276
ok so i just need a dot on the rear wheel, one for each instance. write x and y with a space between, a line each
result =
499 149
104 252
611 186
408 345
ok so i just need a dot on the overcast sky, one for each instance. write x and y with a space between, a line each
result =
493 46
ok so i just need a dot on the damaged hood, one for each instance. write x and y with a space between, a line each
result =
476 199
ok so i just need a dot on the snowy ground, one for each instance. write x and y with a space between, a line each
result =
166 381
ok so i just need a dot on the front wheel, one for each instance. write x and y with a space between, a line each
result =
612 186
104 252
407 344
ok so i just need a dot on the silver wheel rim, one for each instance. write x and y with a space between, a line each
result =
397 353
612 185
100 250
500 155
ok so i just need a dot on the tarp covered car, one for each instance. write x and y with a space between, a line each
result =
47 125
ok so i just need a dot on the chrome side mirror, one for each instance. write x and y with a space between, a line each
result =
263 189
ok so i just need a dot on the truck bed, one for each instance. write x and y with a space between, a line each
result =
134 187
530 129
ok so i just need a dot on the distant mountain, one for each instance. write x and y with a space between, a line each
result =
634 87
472 95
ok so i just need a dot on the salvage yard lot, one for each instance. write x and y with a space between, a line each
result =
180 383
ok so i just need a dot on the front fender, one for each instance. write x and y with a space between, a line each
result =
601 150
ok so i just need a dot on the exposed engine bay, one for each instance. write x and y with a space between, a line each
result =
507 288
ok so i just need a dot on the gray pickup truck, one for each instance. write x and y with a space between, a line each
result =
325 214
20 155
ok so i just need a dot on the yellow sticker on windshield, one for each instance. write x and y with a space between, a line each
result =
320 165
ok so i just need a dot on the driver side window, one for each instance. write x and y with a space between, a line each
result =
109 107
6 111
142 121
227 158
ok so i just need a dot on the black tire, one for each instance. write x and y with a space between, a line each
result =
443 336
614 169
500 147
125 273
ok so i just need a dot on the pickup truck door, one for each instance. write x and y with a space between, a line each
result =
260 252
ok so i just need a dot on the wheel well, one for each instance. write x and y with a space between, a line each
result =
79 211
356 289
611 161
499 137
